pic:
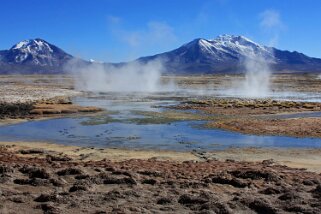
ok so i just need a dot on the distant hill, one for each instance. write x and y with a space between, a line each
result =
224 54
33 56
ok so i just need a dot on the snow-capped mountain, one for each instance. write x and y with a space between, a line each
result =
226 53
223 54
35 56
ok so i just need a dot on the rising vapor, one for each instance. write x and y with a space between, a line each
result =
131 77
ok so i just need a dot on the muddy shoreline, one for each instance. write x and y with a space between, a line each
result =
258 116
35 97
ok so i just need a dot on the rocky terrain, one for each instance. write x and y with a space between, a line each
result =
44 181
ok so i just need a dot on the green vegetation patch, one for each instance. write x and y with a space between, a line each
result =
166 117
99 120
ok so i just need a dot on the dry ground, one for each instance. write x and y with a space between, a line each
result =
36 180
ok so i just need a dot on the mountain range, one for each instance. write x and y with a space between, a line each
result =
224 54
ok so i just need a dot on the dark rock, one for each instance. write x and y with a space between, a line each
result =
34 172
49 208
255 175
308 182
80 177
56 182
6 169
17 199
151 173
268 162
39 173
70 171
32 151
193 184
231 181
216 207
189 199
290 196
272 190
4 178
113 180
110 169
32 182
149 181
119 210
58 158
100 212
164 200
46 198
122 173
98 170
296 208
75 188
317 191
262 207
113 195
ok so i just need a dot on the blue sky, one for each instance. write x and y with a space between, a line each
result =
121 30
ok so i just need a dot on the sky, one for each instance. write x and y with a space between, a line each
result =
123 30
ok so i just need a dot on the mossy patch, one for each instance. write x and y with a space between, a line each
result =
99 120
166 117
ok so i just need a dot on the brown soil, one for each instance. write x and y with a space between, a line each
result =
298 127
49 109
41 181
252 116
25 97
44 109
249 106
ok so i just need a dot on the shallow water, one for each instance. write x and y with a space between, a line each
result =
117 132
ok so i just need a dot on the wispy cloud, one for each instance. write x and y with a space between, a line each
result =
113 19
153 35
272 24
271 19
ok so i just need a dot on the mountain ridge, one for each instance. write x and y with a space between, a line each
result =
223 54
226 54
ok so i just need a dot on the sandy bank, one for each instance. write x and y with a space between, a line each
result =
297 158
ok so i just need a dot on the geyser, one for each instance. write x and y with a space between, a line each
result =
257 77
131 77
256 83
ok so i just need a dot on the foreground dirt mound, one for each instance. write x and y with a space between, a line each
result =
57 184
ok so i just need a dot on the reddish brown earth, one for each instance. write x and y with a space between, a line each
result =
254 116
40 181
43 109
298 127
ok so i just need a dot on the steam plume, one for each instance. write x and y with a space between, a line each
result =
132 77
257 77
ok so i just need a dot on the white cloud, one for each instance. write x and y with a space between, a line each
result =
154 35
113 19
272 25
271 19
160 31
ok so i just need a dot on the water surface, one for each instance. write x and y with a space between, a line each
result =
116 131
